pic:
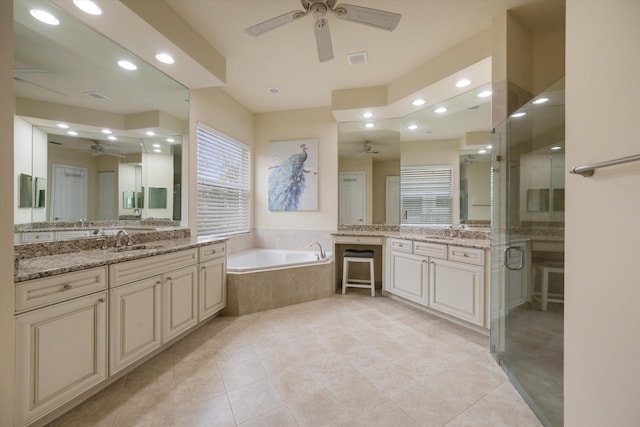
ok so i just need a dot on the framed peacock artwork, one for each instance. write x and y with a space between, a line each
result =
293 175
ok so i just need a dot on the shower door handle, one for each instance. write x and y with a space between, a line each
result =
507 253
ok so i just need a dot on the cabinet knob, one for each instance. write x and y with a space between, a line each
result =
68 286
101 300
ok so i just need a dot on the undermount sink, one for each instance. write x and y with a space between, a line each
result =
135 248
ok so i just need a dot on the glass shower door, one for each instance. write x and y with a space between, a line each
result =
527 252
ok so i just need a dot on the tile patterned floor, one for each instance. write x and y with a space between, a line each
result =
348 360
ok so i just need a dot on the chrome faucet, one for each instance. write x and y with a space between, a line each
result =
122 235
100 232
322 254
451 230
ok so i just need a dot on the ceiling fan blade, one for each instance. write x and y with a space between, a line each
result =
364 15
276 22
323 40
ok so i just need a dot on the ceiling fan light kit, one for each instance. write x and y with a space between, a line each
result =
376 18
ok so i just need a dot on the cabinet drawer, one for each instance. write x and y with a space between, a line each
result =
358 240
401 245
131 271
433 250
468 255
45 291
214 251
43 236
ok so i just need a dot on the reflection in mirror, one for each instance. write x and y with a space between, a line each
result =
25 199
157 198
40 193
77 109
459 137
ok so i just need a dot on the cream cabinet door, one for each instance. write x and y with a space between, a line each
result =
409 276
61 351
212 287
135 327
457 289
179 301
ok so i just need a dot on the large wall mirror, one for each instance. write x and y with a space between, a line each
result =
94 130
455 134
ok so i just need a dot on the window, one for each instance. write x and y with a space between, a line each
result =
223 184
426 195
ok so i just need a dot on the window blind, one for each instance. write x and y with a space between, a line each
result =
223 169
426 195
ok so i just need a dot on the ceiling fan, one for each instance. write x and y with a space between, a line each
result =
318 9
97 150
366 149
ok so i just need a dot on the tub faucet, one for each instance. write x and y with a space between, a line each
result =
122 235
100 232
322 254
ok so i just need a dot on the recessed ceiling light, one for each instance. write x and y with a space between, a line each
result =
418 102
112 138
556 148
88 6
44 16
482 151
170 140
127 65
157 150
516 115
63 125
150 133
367 114
274 90
412 126
72 133
463 83
540 100
156 145
165 58
369 125
106 131
440 110
484 94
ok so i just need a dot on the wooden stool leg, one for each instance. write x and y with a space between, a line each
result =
345 275
373 279
545 289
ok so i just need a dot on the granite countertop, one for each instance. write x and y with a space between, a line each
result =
50 265
483 243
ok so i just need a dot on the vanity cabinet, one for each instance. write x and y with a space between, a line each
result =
60 353
135 315
443 277
212 283
159 303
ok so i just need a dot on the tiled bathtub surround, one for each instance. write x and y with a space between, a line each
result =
264 290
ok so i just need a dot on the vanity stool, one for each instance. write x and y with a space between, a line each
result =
545 268
353 255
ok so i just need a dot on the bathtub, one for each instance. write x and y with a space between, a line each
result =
263 279
253 260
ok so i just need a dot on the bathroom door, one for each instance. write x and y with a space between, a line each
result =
527 250
68 193
353 193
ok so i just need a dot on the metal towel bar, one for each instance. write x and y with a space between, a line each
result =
587 171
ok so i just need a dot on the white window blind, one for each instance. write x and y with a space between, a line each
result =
223 184
426 195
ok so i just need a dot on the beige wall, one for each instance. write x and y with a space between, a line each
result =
6 213
219 111
314 123
602 344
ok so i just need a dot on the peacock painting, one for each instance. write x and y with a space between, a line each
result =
293 170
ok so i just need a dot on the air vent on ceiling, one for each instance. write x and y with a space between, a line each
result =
96 95
357 58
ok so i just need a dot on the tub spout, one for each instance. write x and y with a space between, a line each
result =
322 254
